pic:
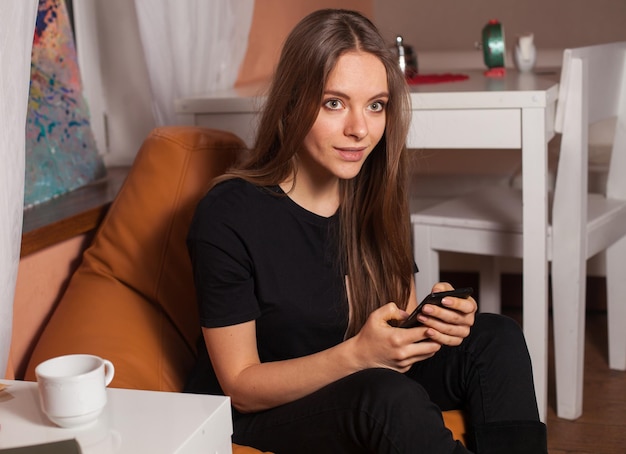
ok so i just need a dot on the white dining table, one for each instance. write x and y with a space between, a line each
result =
516 111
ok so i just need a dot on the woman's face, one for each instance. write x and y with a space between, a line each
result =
351 119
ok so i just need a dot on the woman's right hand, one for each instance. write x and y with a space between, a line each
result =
379 344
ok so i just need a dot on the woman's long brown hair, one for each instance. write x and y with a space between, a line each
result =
375 231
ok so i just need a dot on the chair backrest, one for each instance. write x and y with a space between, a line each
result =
604 72
593 89
132 299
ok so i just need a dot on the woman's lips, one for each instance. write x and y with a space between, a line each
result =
352 154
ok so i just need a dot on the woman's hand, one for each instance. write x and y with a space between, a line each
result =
379 344
450 324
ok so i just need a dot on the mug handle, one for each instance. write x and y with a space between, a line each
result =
109 371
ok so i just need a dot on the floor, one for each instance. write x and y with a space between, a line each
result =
602 427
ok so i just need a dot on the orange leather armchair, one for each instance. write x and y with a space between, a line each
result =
132 299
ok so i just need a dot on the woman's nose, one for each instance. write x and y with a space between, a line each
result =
356 125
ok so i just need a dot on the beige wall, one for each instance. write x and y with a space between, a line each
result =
41 280
271 23
456 24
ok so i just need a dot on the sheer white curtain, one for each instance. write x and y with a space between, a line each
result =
17 25
191 47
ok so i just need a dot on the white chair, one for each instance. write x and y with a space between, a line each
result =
489 222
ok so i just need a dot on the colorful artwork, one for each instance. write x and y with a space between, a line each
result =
61 153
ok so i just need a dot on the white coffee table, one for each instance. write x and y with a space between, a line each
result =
132 422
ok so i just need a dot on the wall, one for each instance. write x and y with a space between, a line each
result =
41 280
456 25
271 23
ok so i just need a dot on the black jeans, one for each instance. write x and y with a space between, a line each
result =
379 410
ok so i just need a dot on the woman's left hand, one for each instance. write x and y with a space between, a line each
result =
450 324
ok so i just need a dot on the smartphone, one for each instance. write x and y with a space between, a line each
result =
434 298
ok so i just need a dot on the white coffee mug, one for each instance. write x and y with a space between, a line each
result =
72 388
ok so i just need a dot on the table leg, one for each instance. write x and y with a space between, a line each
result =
535 266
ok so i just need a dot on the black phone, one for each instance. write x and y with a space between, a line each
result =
434 298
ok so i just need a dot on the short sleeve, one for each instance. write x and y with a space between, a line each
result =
222 268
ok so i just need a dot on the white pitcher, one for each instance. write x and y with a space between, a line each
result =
525 53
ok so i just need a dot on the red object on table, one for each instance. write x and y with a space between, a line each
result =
496 72
435 78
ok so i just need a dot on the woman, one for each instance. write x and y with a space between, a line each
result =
302 263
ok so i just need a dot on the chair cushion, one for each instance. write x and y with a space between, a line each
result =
132 298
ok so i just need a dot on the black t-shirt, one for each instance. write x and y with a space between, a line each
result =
257 255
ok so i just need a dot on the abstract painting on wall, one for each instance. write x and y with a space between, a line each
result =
61 152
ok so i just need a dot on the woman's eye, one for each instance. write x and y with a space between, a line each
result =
333 104
377 106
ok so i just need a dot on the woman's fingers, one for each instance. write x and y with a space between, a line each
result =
450 339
